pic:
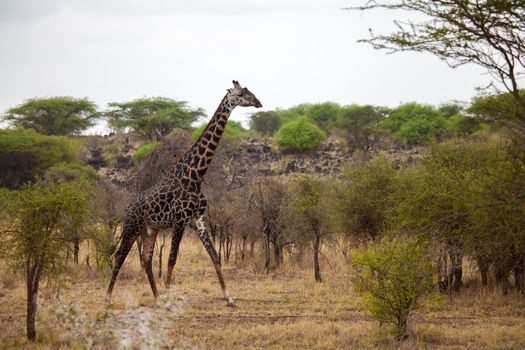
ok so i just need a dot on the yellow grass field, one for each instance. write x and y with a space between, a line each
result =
286 309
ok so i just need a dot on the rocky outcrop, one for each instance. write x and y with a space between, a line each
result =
237 161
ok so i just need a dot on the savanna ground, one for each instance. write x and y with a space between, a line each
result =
286 309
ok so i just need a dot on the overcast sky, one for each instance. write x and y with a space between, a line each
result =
285 51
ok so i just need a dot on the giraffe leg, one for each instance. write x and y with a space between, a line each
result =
205 239
126 243
148 245
174 251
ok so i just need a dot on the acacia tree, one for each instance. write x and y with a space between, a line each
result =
37 225
309 203
61 115
362 199
269 199
489 33
152 117
267 123
361 124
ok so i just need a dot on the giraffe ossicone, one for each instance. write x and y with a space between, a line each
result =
177 199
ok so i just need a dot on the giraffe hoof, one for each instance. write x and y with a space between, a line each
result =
231 303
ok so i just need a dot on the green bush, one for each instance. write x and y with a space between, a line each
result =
363 198
293 113
394 278
144 150
266 123
324 114
233 130
462 125
66 172
26 154
300 135
414 123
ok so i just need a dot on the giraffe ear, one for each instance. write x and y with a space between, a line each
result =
229 90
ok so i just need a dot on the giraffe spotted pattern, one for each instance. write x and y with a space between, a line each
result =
177 199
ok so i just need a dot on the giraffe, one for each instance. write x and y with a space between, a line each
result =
176 200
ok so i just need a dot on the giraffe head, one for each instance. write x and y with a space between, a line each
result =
239 96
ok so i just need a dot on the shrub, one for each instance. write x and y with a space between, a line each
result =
394 278
292 113
458 125
266 123
300 135
42 220
26 154
364 198
144 150
323 115
415 123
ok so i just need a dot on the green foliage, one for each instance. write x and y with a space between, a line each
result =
496 107
42 216
438 193
461 125
461 32
309 201
152 117
233 130
414 123
290 114
36 226
448 110
54 115
363 198
144 150
393 276
361 123
324 114
66 172
299 135
266 123
25 154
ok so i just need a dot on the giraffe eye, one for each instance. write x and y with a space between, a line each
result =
241 93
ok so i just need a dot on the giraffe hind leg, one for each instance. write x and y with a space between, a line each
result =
178 231
128 238
148 247
205 239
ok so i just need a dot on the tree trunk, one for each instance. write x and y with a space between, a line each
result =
277 251
483 267
229 244
456 270
252 245
33 273
32 296
243 249
502 277
221 242
443 271
266 254
76 250
518 278
317 248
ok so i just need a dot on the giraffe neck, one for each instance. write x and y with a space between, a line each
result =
195 162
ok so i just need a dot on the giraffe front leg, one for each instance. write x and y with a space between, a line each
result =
205 239
147 256
174 251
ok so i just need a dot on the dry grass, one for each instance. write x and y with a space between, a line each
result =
285 310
